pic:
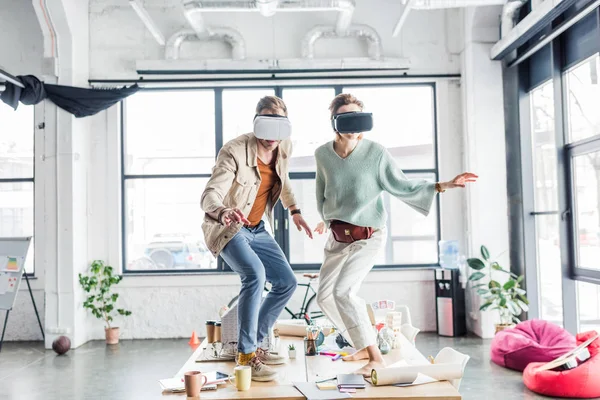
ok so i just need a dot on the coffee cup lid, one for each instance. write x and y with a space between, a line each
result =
211 322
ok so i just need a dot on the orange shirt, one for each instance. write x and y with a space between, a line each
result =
268 180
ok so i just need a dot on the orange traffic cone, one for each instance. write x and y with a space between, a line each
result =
194 341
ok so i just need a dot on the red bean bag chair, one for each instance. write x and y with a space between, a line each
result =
530 341
582 382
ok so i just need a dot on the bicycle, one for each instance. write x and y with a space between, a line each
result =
308 309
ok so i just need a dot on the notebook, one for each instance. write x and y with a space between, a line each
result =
176 385
351 381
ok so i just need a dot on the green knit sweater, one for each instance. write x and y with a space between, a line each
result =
350 189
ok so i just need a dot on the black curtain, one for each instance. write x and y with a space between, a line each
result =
77 101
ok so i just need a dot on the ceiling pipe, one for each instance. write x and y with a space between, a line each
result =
267 8
441 4
148 21
354 31
228 35
194 17
270 7
405 11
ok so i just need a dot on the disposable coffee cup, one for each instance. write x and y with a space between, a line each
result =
217 334
210 331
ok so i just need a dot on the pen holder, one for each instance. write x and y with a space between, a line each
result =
310 347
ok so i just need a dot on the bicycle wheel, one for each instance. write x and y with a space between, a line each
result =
312 309
233 301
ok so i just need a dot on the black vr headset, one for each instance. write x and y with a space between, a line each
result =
352 122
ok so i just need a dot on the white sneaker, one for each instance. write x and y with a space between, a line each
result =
269 358
260 371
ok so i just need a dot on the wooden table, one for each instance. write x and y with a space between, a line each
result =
311 369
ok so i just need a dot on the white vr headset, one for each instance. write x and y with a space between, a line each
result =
272 127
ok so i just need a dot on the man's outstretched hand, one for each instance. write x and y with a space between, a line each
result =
301 224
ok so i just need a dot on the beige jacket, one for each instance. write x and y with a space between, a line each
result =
234 183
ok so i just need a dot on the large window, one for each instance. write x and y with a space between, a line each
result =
169 150
560 176
170 142
545 191
16 175
583 88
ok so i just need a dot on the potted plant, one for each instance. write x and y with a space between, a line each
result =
292 351
508 298
101 301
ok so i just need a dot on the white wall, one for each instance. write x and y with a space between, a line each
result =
485 154
22 54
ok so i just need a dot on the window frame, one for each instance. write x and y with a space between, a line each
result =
281 217
556 64
33 192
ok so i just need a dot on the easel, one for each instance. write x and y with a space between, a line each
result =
34 307
13 250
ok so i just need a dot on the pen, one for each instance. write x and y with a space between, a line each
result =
326 353
337 357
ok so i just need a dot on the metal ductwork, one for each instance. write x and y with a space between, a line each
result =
354 31
511 7
269 7
439 4
228 35
509 15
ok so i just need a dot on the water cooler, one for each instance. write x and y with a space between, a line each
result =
449 294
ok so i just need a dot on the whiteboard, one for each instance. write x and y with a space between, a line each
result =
12 261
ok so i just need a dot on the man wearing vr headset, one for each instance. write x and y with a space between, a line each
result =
352 174
250 176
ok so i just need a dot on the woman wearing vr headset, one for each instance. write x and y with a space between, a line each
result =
352 174
250 176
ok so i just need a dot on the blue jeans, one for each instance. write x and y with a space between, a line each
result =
257 258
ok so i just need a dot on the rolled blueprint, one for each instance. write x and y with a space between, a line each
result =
408 374
290 329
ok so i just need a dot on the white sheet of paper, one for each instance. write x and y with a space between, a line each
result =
420 380
3 283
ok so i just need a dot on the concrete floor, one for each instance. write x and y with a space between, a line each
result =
131 370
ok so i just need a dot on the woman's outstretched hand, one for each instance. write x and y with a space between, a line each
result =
321 228
460 181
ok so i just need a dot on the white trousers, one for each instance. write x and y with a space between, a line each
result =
344 269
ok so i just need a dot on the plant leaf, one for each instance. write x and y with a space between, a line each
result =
520 278
476 264
502 300
481 292
485 253
494 284
524 299
513 307
524 306
479 285
497 267
485 305
509 284
476 276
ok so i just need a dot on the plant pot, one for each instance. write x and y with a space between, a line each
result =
112 335
501 327
292 354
